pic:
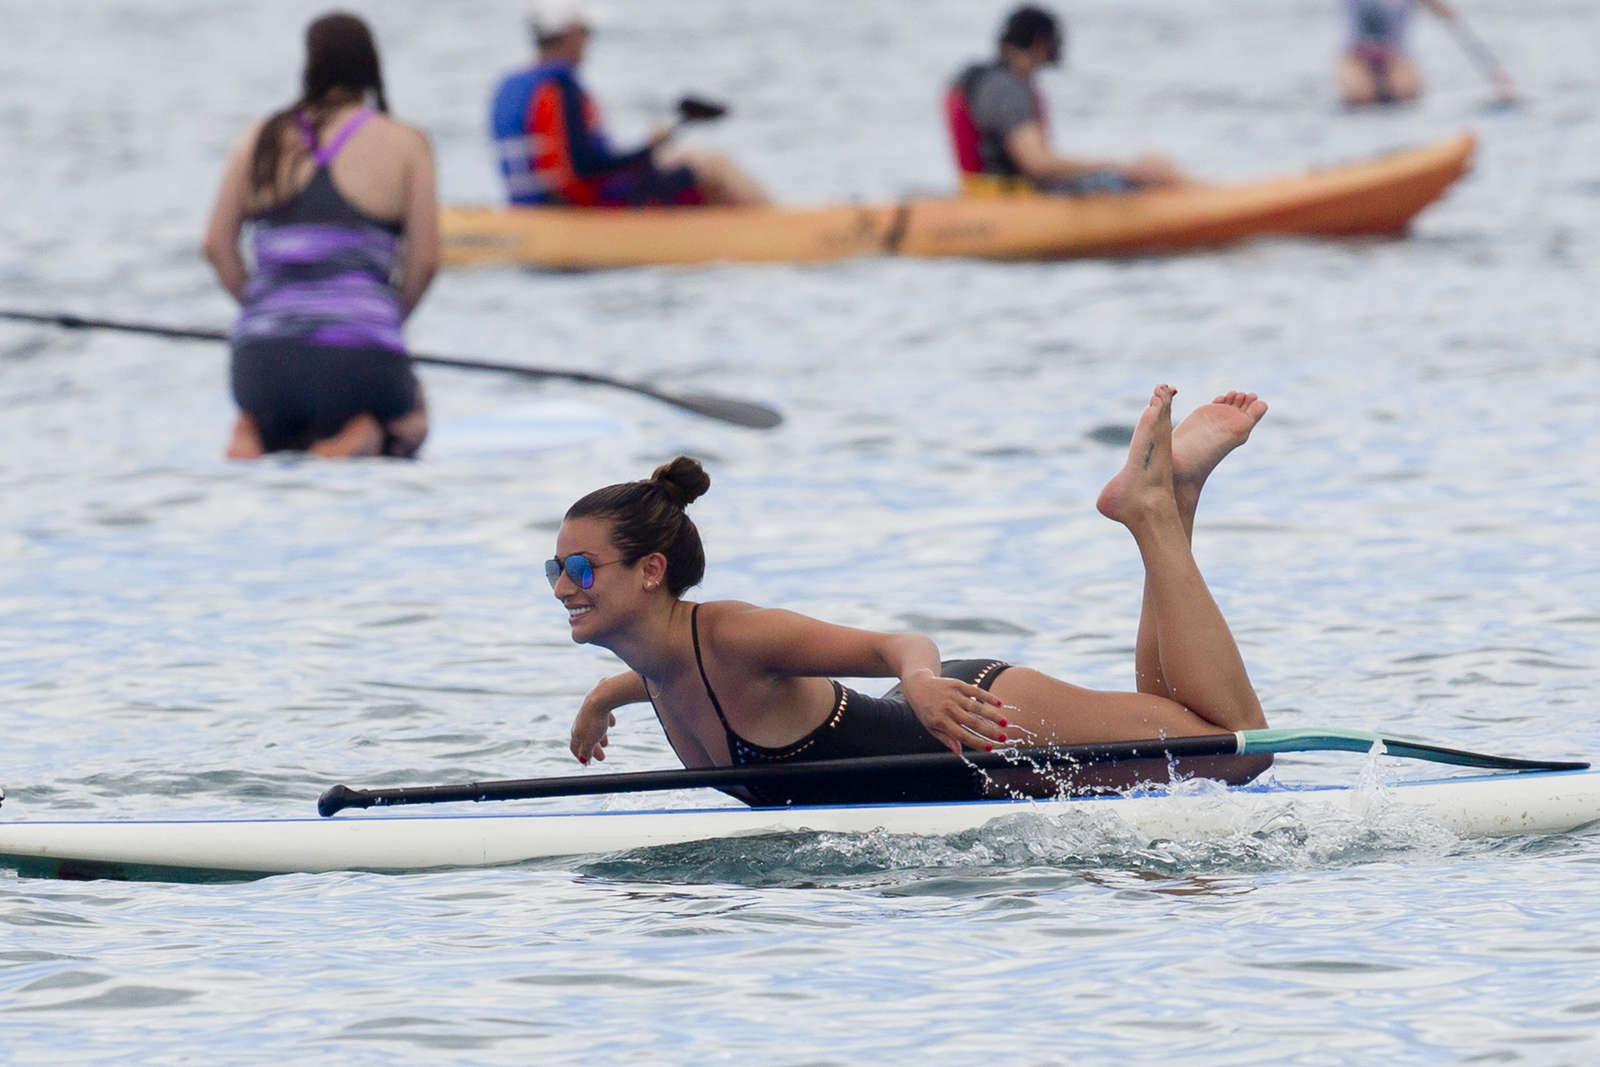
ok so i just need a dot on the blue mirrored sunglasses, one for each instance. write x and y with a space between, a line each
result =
578 568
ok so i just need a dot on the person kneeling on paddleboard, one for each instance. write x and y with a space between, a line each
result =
346 232
737 684
1376 66
998 129
553 150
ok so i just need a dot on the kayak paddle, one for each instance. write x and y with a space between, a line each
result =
695 109
726 409
698 109
1505 91
1243 743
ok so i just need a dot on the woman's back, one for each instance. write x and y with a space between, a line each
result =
375 170
344 222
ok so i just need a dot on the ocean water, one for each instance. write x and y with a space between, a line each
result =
1408 542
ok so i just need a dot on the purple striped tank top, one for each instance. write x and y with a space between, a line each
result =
323 269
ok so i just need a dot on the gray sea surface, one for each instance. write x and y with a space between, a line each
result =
1408 542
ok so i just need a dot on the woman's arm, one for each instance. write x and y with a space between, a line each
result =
789 644
227 216
420 256
595 718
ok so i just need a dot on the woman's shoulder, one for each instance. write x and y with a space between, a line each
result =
736 622
400 132
716 612
245 143
726 618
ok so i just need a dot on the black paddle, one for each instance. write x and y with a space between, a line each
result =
1246 742
697 109
1505 92
727 409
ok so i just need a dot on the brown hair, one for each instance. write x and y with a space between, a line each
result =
340 55
649 516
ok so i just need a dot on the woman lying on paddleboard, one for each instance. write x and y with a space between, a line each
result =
736 684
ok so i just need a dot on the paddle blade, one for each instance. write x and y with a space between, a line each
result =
739 412
696 109
1259 742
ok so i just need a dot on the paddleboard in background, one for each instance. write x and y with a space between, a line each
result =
524 429
1488 805
1376 196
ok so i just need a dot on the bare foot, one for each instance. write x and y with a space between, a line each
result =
403 437
245 443
1144 484
1210 432
361 436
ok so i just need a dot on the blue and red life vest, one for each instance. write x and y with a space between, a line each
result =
548 137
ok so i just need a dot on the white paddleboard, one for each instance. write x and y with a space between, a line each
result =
1491 805
524 429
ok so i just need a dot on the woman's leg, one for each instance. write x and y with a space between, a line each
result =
360 436
403 437
245 442
1198 444
1404 81
1189 649
1387 77
1359 85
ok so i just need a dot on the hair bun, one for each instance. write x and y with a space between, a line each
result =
683 480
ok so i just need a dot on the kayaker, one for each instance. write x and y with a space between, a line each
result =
737 684
341 199
1375 66
553 148
999 130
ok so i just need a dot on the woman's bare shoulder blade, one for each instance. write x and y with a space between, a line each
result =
413 140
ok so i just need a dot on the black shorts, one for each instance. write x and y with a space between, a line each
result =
648 186
300 393
1096 181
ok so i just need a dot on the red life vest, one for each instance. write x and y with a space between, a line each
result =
966 140
964 135
551 161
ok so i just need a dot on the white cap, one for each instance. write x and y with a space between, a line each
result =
556 19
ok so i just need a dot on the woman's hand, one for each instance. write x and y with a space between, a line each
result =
595 716
957 713
590 730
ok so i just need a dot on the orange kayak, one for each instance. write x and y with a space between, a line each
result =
1377 196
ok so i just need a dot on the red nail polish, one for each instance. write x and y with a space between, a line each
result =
988 748
1002 737
1004 723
